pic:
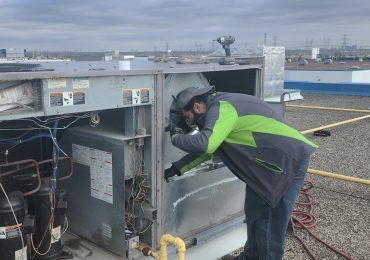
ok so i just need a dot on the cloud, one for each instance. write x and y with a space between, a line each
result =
140 25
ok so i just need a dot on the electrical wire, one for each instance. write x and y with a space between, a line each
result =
49 227
15 218
43 127
94 119
304 219
139 187
15 141
18 142
66 224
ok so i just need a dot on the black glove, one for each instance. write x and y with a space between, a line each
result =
174 130
170 172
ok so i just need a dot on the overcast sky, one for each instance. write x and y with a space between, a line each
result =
95 25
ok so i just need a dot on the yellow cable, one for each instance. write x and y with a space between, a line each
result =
338 176
330 108
335 124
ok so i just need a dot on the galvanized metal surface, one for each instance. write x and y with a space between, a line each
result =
89 217
274 71
102 93
204 200
193 204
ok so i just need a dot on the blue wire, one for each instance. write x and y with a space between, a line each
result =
19 141
53 179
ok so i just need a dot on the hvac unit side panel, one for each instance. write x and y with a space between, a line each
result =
70 95
198 200
94 219
197 203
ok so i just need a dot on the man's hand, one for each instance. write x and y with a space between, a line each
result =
175 130
170 172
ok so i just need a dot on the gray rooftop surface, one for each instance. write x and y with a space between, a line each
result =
342 208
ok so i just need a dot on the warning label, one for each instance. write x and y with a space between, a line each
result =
144 95
80 83
10 231
79 98
57 83
127 96
136 96
55 234
100 163
21 254
67 98
59 99
56 99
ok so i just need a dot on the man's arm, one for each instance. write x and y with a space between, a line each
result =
220 120
185 164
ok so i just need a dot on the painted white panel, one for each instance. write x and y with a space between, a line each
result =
361 76
319 76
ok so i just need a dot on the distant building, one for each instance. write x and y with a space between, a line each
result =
12 54
329 72
315 53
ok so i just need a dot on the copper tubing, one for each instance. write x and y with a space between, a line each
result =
146 251
30 163
61 159
165 240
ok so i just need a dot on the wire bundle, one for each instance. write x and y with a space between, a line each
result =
25 137
138 188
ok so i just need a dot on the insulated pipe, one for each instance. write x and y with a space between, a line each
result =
178 242
165 240
335 124
330 108
338 176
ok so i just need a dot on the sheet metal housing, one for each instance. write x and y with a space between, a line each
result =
188 207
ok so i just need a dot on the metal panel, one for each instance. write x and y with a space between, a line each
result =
157 157
274 71
186 207
199 201
100 93
89 217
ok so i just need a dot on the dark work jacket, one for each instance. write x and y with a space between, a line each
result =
253 141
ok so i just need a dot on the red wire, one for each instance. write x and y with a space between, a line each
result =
305 219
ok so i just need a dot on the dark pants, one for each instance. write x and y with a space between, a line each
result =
266 225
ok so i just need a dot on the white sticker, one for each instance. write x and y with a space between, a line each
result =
100 163
67 98
10 231
101 175
2 232
81 154
136 96
55 234
57 83
80 83
21 254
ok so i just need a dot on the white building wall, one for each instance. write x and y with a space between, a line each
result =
315 52
361 76
319 76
